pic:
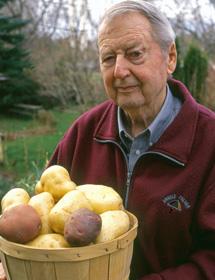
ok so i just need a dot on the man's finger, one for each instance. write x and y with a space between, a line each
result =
2 273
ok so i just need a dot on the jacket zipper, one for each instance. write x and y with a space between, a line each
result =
129 173
128 184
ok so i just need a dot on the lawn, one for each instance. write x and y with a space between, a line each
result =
29 144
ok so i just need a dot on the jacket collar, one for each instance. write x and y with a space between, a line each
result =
176 142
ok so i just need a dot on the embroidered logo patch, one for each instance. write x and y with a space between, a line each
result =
176 202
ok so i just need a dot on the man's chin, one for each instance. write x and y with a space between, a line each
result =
129 105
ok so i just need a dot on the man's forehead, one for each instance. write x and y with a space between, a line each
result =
126 39
126 42
124 21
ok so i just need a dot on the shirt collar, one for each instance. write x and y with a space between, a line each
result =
163 118
121 126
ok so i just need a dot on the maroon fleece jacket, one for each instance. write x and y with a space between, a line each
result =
172 190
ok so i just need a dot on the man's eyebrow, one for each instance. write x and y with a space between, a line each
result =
106 48
106 52
133 44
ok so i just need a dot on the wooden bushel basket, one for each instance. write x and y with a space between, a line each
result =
105 261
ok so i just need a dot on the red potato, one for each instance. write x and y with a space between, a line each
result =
20 224
82 227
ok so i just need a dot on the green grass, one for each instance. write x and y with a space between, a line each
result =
10 123
25 157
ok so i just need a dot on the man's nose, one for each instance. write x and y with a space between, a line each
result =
121 69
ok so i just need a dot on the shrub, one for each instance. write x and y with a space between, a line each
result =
192 70
195 71
17 86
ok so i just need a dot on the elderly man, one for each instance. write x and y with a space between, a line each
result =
153 143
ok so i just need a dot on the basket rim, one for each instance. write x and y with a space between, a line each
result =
26 252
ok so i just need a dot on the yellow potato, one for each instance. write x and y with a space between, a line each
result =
38 188
55 180
49 240
70 202
43 203
102 198
114 224
14 197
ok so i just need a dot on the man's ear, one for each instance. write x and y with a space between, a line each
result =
172 59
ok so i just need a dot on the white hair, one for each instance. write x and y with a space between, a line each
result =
162 31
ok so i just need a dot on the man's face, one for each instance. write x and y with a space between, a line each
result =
133 66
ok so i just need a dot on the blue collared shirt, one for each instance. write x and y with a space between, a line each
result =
136 146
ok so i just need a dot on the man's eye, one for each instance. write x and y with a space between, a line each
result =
108 60
135 54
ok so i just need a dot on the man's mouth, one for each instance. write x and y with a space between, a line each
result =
128 88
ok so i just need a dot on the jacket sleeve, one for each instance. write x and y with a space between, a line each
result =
201 264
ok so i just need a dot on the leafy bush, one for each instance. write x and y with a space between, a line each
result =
195 71
17 86
192 69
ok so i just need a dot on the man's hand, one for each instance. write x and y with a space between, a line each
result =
2 274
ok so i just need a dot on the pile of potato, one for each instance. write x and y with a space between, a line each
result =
62 214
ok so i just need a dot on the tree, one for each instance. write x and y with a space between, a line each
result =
192 69
47 17
194 18
195 71
16 85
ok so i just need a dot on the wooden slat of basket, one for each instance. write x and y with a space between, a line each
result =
28 269
41 270
128 259
130 254
99 268
4 262
68 271
119 268
16 269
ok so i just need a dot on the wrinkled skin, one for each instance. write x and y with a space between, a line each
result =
134 68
